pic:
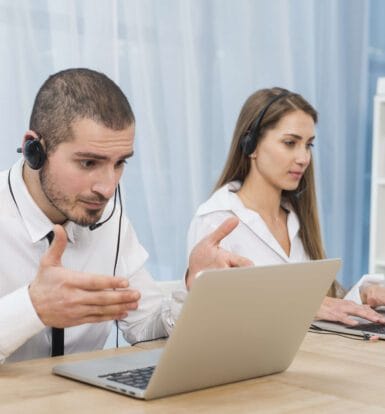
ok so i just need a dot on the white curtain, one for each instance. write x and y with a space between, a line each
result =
186 67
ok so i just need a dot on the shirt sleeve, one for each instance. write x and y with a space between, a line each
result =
156 314
18 321
354 292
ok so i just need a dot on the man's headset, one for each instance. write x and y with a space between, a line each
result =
35 156
34 152
249 140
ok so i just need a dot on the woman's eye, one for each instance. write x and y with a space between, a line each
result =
289 143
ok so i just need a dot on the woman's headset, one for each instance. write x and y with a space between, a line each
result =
249 140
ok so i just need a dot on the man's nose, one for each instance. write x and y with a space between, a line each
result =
106 184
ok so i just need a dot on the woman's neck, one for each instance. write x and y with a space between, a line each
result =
261 197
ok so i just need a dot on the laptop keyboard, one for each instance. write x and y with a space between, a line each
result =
371 327
138 378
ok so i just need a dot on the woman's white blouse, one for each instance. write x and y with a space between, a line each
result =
252 238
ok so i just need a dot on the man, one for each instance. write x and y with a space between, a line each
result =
63 240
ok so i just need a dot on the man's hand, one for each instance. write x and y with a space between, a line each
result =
208 255
63 298
372 294
340 310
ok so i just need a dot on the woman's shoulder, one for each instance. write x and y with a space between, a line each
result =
221 201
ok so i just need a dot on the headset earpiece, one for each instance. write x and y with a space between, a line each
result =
34 153
247 144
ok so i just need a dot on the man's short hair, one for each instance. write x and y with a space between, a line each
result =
75 94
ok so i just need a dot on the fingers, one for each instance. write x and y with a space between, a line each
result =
55 252
89 281
341 310
366 312
223 230
239 261
346 320
92 313
110 311
70 306
97 319
113 297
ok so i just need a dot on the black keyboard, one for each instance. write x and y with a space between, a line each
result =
138 378
370 327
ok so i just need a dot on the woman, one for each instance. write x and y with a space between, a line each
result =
268 183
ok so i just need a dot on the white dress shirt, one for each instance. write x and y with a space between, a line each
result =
252 238
23 241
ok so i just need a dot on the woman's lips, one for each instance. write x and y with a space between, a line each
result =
296 174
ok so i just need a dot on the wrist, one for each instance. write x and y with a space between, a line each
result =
188 279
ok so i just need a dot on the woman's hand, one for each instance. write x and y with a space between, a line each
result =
341 310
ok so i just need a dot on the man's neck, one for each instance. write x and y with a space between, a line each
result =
32 182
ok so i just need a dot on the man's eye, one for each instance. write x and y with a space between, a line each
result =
121 163
87 163
289 143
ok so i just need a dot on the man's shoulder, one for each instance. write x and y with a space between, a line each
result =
6 202
4 180
4 175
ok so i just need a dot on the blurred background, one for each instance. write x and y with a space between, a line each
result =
186 67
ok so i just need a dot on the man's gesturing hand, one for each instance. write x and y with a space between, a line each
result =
207 254
63 297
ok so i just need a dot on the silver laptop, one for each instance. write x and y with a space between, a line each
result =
236 324
365 328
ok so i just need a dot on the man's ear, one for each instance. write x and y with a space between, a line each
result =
28 136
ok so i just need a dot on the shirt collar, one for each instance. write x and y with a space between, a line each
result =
222 200
35 221
226 199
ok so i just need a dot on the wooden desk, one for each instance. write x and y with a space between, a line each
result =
330 374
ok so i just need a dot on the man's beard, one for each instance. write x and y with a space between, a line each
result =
64 204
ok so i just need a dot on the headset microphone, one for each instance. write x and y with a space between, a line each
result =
97 225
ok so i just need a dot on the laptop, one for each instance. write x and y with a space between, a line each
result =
236 324
366 329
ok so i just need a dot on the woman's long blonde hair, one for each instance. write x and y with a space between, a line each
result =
237 167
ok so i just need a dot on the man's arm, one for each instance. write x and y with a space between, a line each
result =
156 314
60 298
64 298
18 321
